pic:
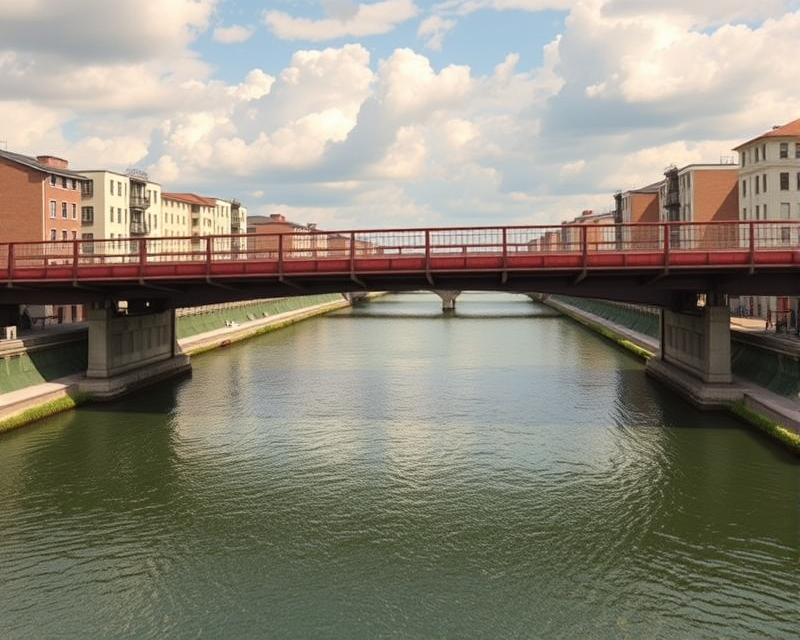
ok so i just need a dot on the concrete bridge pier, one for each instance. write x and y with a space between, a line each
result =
448 299
130 348
695 354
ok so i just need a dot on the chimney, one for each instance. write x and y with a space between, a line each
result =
52 161
276 217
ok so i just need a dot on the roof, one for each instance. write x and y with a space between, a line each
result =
259 220
33 163
790 129
650 188
189 198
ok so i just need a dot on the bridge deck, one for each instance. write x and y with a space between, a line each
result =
623 262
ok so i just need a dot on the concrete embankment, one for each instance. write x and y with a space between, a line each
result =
44 371
766 366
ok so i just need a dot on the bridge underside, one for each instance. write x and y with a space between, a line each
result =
655 287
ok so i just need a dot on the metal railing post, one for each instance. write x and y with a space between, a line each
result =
584 245
75 253
142 255
280 254
667 231
11 260
427 250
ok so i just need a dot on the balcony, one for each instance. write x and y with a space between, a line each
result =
140 202
138 228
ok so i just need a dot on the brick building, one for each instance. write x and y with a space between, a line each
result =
40 200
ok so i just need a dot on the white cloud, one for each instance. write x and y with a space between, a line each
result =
98 29
345 19
572 168
232 34
334 135
405 158
409 85
433 30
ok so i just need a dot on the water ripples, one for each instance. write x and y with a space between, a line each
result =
495 478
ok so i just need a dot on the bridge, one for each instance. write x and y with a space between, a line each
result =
662 264
647 263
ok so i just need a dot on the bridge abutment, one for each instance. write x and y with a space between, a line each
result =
695 355
127 351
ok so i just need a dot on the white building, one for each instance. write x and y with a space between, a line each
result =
769 189
116 205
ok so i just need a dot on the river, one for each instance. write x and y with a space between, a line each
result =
388 472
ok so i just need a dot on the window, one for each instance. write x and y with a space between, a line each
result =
756 152
111 214
64 234
765 212
785 210
111 184
744 188
784 150
64 210
797 149
758 212
74 184
784 181
87 247
757 181
53 208
798 180
744 213
74 211
74 235
764 183
63 182
764 151
53 179
52 234
87 215
119 188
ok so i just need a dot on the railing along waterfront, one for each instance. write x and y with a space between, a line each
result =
670 243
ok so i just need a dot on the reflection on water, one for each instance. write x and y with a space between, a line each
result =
497 473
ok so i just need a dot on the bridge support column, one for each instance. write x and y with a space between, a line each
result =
448 298
130 351
695 354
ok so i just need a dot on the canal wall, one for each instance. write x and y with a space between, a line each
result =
766 367
43 372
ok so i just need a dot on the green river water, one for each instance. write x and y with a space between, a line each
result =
387 472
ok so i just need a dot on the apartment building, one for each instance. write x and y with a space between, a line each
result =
298 240
700 193
598 229
769 190
640 206
117 205
769 174
39 200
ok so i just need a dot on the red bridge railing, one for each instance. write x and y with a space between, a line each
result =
667 240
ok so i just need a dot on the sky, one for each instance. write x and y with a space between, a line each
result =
397 113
